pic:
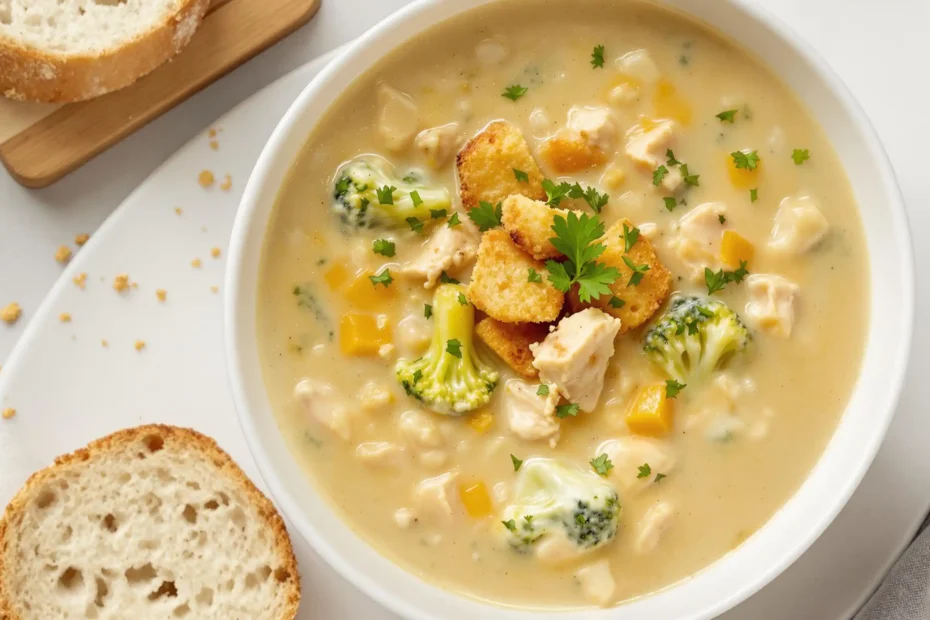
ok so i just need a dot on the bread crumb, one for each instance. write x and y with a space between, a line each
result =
161 294
63 255
196 263
214 145
121 282
178 210
11 313
8 413
140 344
104 343
205 178
212 132
81 239
65 317
215 252
214 289
80 280
226 185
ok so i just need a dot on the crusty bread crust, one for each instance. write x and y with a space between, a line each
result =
190 440
30 74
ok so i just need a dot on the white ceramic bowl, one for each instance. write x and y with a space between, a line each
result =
793 528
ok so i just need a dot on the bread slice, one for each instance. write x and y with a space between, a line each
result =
149 522
511 342
71 50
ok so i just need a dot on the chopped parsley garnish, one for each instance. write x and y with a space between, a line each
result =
659 174
438 213
597 57
727 116
382 278
417 375
427 310
486 216
580 519
716 280
454 220
445 279
454 348
690 179
745 161
800 156
602 465
510 525
630 237
672 388
722 218
533 276
638 271
514 92
542 390
415 224
415 197
754 194
644 471
670 203
521 176
670 158
516 462
462 299
555 193
595 200
740 273
564 411
616 302
386 194
383 247
575 237
659 477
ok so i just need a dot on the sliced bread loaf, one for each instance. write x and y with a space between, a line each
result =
150 522
70 50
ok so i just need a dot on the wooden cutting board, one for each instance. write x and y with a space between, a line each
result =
40 143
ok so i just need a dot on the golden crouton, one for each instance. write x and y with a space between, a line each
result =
529 223
500 284
511 342
486 165
567 154
640 301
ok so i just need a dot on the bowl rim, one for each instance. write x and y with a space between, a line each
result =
256 189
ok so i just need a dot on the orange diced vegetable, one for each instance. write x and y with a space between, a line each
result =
361 334
735 248
365 295
481 421
650 413
571 154
743 178
476 500
668 103
336 276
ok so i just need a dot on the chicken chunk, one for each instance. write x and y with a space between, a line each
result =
628 454
799 226
595 125
398 118
419 429
324 406
698 240
771 303
640 66
439 144
435 496
380 454
597 582
574 356
647 142
446 249
529 415
650 527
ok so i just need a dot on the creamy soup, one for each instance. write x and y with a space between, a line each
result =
562 301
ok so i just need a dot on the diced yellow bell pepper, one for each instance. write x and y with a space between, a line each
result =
365 295
336 276
735 248
743 178
361 334
481 421
668 103
650 413
476 500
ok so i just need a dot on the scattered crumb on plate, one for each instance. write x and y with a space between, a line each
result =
65 317
214 289
104 343
212 132
81 239
63 255
8 413
205 178
121 282
196 263
80 280
178 210
140 344
215 252
214 145
226 185
11 313
162 294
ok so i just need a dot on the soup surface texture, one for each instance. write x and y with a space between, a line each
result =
562 301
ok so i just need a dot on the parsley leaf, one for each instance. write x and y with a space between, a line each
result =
510 525
727 116
575 238
383 247
800 156
486 216
630 237
670 158
462 299
516 462
514 92
690 179
555 193
738 275
438 213
745 161
415 224
454 220
659 174
672 388
533 276
415 197
660 476
564 411
638 271
595 200
670 203
454 348
386 194
644 471
427 310
542 390
754 194
602 465
445 279
722 218
382 278
597 57
717 280
616 302
521 176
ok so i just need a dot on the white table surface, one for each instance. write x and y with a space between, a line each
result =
878 48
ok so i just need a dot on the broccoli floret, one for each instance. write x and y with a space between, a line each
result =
695 336
554 499
449 379
367 193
